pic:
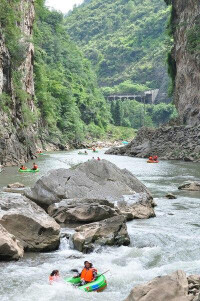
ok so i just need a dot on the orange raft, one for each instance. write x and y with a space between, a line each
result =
152 161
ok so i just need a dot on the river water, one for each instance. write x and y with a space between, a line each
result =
159 245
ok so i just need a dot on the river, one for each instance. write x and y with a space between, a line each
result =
159 245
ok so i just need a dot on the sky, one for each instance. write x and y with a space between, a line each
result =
63 5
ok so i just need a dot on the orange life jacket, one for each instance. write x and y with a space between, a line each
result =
150 158
87 274
23 168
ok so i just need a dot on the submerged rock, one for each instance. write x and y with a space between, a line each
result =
15 185
173 287
82 210
92 179
111 231
190 186
10 248
30 224
171 196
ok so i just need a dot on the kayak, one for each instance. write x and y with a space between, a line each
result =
125 142
150 161
95 151
28 170
96 286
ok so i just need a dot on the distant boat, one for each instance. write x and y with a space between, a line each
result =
125 142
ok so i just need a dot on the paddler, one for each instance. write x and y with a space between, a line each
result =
23 167
35 166
54 276
155 158
88 273
150 158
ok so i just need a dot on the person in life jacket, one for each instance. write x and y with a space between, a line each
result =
155 158
88 274
150 158
23 167
98 159
54 276
35 167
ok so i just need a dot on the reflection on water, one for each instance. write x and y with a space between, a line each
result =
158 246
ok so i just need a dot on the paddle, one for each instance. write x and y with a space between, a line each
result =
103 273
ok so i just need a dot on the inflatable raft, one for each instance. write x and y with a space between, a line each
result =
28 170
96 286
151 161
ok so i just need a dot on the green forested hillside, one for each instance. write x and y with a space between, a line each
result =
125 40
66 88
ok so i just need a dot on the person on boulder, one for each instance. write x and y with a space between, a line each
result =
35 167
23 167
88 274
54 276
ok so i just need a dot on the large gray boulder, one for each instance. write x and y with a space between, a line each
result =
173 287
190 186
92 179
111 231
82 210
10 248
30 224
137 206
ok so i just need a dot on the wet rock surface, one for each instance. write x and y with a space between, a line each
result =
82 210
170 196
137 206
111 231
190 186
173 287
92 179
29 223
10 247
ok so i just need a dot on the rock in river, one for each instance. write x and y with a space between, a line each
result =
82 210
137 206
173 287
92 179
111 231
10 248
30 224
190 186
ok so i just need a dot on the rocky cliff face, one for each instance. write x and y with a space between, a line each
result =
17 142
181 141
186 17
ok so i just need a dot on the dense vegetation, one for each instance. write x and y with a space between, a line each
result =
131 113
125 40
68 101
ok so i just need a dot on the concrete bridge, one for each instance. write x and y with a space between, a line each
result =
145 97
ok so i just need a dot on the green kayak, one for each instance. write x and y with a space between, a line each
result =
96 151
96 286
28 170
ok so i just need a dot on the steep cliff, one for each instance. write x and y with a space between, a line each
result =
186 53
17 138
182 140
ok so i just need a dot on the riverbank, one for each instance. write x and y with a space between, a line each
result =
168 142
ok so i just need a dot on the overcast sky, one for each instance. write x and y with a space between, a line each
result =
63 5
